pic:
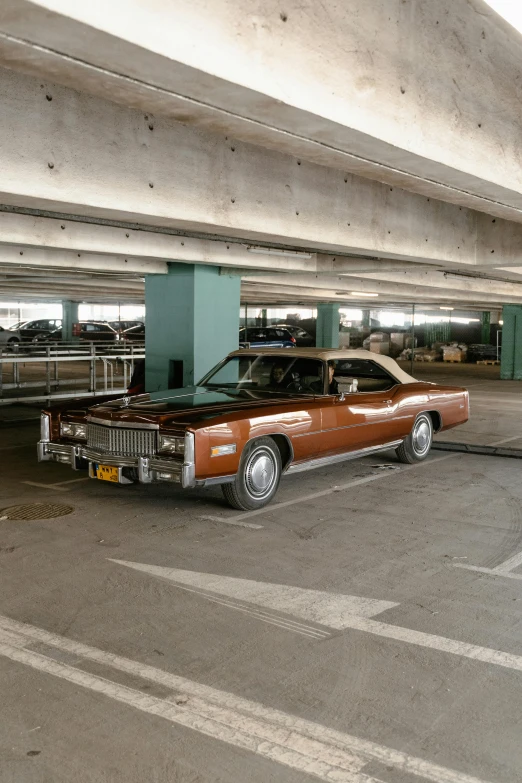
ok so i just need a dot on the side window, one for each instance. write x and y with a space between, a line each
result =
370 376
257 335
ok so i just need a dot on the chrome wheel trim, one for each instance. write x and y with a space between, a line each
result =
421 437
260 473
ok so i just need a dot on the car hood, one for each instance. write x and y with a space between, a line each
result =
191 405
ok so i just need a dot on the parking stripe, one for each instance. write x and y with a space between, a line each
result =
326 753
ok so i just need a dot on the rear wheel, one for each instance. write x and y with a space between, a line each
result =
417 445
258 476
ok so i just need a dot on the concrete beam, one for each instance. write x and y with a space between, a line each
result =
125 247
336 287
359 95
172 177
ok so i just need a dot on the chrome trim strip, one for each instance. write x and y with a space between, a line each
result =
168 466
45 427
129 425
46 449
188 471
320 462
216 480
113 460
351 426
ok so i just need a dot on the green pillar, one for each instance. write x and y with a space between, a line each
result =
511 357
366 318
327 325
69 317
485 320
191 323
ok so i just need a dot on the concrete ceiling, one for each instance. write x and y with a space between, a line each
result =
394 173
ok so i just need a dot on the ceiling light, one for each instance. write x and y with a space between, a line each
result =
274 251
446 308
361 293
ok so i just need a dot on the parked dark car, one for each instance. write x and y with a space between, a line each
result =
90 331
122 326
28 330
134 333
302 338
266 337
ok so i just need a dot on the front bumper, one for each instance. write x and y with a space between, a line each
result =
149 469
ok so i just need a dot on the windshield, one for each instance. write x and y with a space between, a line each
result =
268 373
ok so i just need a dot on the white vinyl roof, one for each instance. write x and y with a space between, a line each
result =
331 354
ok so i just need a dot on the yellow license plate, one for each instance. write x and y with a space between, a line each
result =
106 473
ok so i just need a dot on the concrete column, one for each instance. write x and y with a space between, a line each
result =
485 320
191 323
366 318
511 358
69 317
327 325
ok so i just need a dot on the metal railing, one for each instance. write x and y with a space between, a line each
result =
52 367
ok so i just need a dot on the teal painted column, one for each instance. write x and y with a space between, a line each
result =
69 317
485 320
191 321
327 325
511 358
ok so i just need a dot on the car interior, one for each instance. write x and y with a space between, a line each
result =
369 375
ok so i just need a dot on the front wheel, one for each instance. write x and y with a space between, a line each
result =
417 445
258 476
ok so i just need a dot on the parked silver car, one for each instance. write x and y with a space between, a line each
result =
9 337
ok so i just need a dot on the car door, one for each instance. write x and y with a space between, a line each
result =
362 419
356 422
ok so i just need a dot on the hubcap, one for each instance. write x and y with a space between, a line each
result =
421 437
260 473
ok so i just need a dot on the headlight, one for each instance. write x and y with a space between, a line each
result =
171 445
71 430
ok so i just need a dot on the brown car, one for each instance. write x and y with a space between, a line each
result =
258 414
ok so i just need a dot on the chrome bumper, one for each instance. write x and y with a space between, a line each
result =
149 468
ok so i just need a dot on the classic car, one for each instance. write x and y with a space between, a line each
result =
256 415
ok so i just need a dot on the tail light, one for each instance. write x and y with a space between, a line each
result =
293 340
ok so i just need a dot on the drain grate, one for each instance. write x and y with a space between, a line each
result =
36 511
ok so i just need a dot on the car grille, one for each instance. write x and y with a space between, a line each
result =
119 440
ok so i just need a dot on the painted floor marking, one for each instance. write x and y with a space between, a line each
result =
502 569
45 486
340 488
327 754
336 611
232 521
59 485
505 440
331 609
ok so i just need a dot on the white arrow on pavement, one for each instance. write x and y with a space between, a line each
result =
334 610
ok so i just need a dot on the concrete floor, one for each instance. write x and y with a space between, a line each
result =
125 672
